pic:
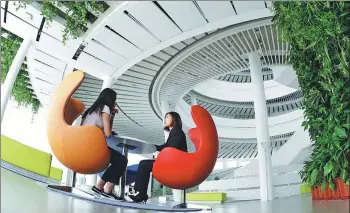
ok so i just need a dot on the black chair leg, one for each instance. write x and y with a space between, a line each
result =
185 205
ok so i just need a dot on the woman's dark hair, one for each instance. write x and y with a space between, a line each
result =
176 120
106 97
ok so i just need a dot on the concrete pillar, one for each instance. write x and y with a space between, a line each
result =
165 107
12 74
262 128
193 100
107 83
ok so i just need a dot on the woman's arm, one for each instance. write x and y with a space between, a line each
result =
107 128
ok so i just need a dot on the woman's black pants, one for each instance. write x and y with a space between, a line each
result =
116 168
142 177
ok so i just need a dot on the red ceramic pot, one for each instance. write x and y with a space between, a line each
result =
343 188
336 192
313 193
317 193
327 193
321 193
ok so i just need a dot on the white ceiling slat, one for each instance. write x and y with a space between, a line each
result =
48 59
47 77
184 13
105 54
129 89
247 6
216 10
150 16
148 65
170 50
121 83
155 60
162 55
179 45
133 80
117 43
143 70
138 75
132 94
52 73
90 64
132 31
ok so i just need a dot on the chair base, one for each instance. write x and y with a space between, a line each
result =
192 206
71 190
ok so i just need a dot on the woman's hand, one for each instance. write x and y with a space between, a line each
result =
115 111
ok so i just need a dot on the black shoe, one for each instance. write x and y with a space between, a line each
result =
96 190
139 198
111 195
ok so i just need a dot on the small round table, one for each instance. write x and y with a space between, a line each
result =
125 145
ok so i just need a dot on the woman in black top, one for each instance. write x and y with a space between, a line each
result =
176 139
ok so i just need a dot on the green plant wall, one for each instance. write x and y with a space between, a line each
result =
319 35
20 91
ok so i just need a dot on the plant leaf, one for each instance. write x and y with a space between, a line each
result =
340 132
327 168
324 183
331 185
314 175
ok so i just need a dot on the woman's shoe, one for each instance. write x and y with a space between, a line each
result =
111 195
96 190
139 198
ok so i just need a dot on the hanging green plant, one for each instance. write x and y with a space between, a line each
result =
78 14
21 91
319 35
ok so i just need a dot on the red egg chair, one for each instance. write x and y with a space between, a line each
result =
181 170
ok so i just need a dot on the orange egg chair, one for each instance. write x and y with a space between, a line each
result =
82 149
181 170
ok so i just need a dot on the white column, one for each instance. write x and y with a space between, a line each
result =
165 107
69 69
107 83
193 100
262 128
6 88
225 163
69 179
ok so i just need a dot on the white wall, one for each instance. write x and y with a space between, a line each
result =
18 126
291 149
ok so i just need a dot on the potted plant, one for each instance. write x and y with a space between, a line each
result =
319 34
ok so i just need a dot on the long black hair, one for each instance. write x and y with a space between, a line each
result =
176 117
106 97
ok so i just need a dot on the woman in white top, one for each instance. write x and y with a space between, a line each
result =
101 114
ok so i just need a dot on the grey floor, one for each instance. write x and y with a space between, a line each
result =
22 195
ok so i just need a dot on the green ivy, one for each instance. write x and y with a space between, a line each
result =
76 13
21 93
319 35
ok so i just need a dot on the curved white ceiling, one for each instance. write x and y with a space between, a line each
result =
240 91
219 53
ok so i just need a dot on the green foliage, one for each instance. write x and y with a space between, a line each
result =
21 93
319 35
76 14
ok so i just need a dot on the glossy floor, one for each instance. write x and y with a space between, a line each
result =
21 195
